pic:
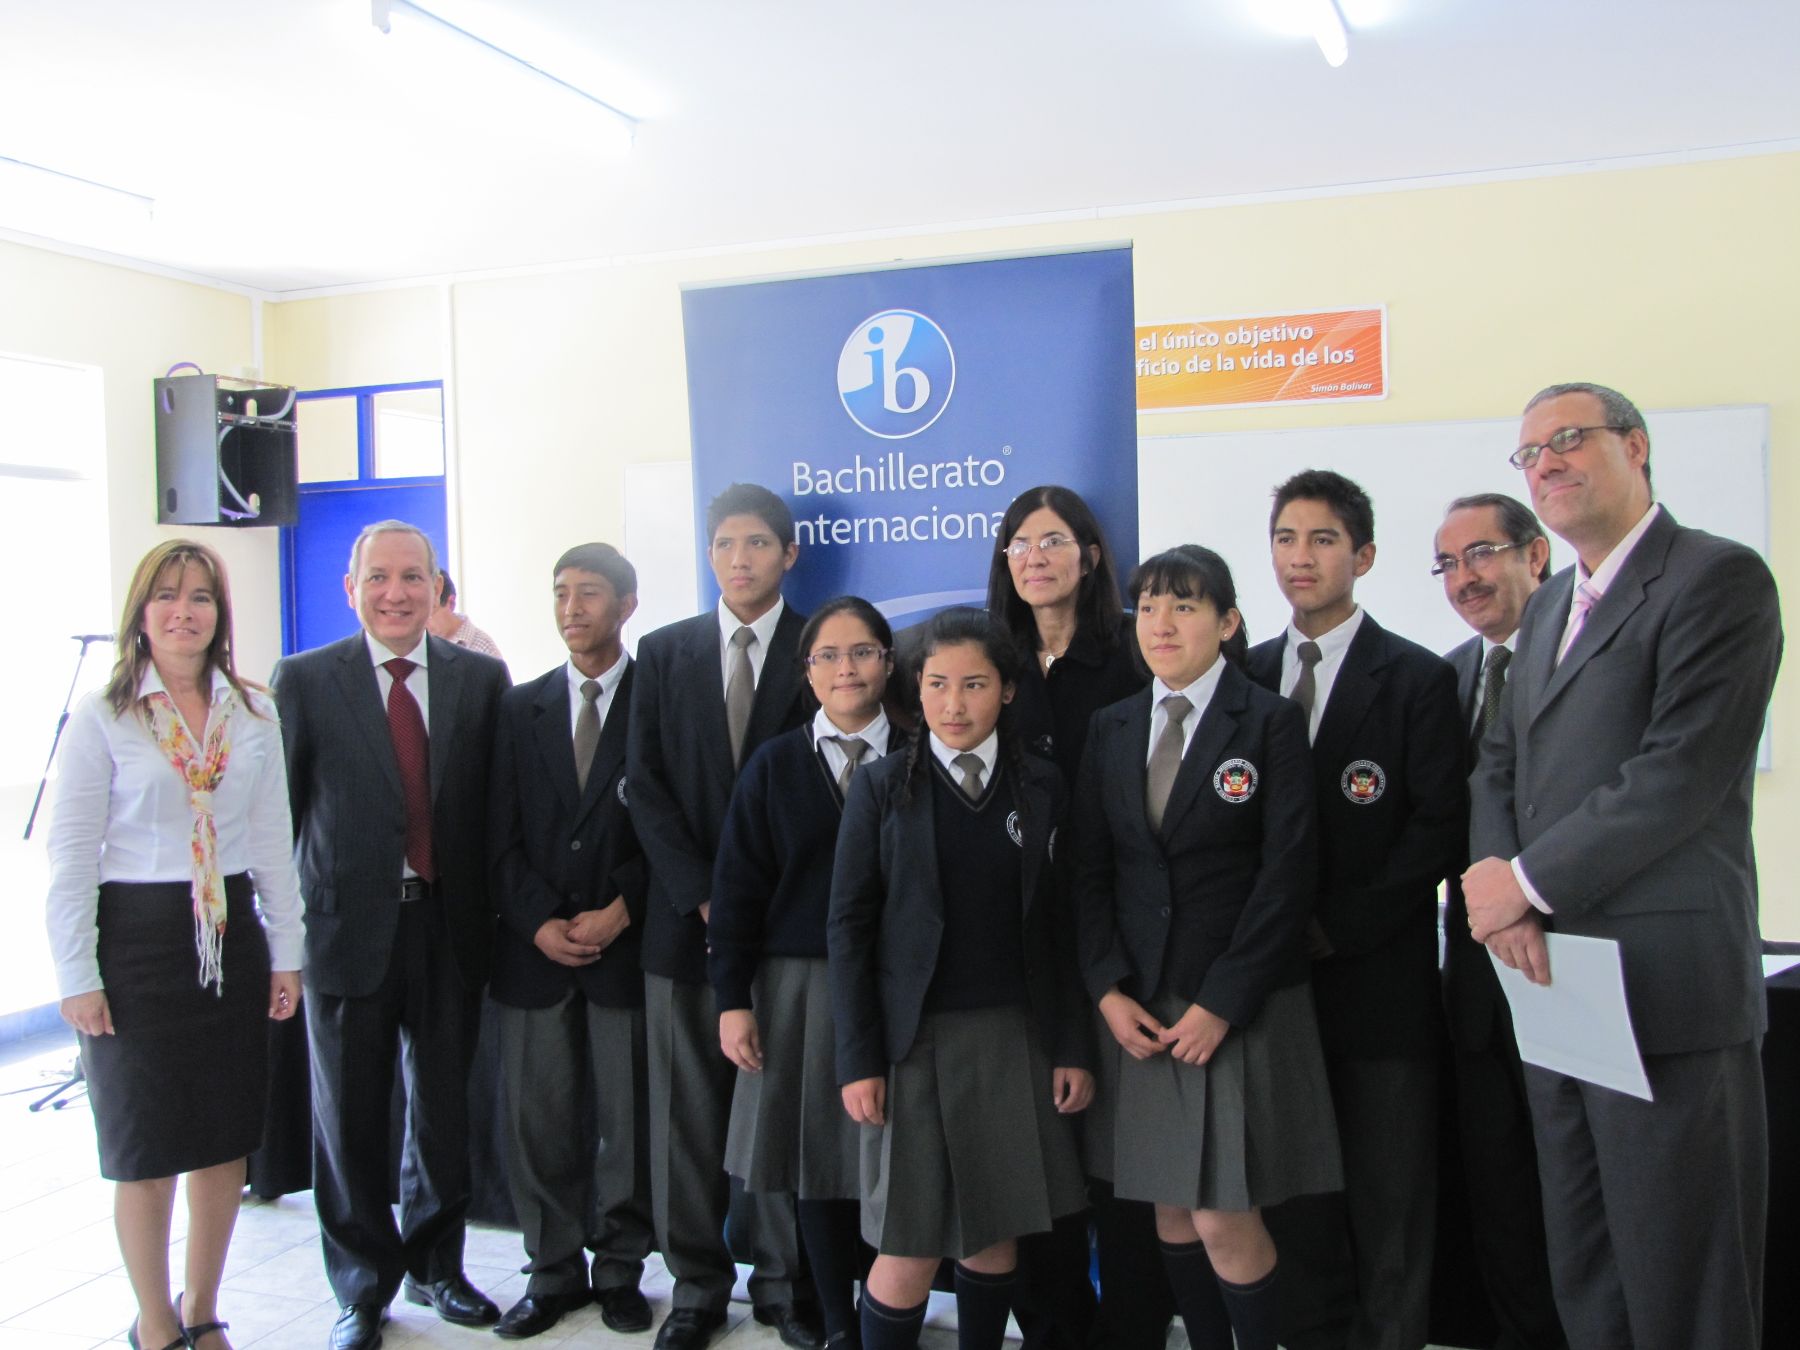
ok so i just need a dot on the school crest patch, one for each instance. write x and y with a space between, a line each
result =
620 790
1235 781
1363 782
1012 829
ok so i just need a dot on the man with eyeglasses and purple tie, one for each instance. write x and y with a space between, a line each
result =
1613 800
1492 556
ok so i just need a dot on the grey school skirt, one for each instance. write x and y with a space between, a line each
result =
973 1151
789 1130
1252 1127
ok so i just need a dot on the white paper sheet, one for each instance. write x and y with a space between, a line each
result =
1774 965
1577 1024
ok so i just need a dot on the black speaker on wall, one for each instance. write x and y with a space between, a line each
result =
226 452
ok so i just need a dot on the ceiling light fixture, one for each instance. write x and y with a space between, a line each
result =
1326 23
381 15
41 200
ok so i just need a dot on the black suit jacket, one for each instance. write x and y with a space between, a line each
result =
1623 777
1476 1008
560 849
1389 763
887 918
350 816
1213 906
680 774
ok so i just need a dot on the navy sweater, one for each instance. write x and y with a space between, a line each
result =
772 878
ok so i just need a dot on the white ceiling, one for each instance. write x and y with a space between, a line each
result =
289 145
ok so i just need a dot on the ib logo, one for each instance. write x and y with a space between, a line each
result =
895 374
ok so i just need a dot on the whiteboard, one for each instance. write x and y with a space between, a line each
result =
1710 468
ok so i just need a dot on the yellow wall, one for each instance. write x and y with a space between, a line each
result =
1675 284
134 327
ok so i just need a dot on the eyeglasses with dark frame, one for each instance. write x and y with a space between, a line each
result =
1562 442
1474 556
860 655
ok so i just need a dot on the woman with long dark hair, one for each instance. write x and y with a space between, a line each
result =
175 926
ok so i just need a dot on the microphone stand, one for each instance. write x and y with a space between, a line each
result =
77 1075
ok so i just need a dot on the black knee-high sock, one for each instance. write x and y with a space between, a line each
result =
831 1231
885 1328
1197 1295
1252 1308
982 1304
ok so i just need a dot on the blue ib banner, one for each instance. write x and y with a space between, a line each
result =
898 412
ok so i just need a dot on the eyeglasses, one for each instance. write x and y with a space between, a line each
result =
1020 549
860 655
1475 555
1569 438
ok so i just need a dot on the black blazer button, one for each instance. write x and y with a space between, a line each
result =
1165 911
575 845
1530 811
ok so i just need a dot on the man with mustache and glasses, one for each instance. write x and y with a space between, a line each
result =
1492 556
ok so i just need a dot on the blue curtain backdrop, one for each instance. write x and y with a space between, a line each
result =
899 411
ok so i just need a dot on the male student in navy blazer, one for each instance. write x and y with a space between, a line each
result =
733 669
1388 755
1613 801
567 986
1493 556
394 869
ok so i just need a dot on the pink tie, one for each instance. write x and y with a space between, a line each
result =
1586 597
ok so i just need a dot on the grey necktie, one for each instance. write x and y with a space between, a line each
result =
1165 759
587 731
1493 675
740 693
1306 690
853 748
969 766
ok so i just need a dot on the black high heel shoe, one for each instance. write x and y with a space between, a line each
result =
179 1343
190 1336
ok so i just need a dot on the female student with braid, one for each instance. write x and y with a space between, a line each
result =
1195 870
961 1026
771 891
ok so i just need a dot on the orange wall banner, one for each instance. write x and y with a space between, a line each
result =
1269 358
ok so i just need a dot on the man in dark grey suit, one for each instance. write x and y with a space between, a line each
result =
388 736
1492 555
1613 801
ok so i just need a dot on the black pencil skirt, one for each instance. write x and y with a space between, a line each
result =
182 1084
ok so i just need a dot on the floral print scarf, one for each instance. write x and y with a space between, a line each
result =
202 773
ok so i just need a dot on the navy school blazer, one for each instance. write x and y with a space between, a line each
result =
1213 906
679 772
887 918
1390 768
560 849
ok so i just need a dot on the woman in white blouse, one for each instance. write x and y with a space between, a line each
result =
175 926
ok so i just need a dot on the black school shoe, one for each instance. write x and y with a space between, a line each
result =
798 1327
624 1309
688 1329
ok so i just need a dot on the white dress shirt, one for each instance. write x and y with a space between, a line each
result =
987 752
1332 647
418 683
876 734
1199 693
1597 581
122 813
609 685
764 630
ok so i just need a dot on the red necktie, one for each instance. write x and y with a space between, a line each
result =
413 749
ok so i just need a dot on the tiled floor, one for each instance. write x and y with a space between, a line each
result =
62 1286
